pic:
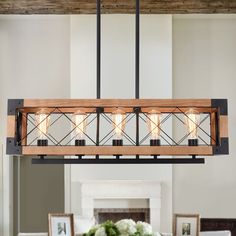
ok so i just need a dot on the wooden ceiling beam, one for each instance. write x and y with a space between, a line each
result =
117 6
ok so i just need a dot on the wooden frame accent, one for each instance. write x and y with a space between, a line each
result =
11 122
117 150
176 216
94 103
24 129
224 126
70 216
213 128
117 7
217 108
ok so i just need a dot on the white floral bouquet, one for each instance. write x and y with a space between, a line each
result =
125 227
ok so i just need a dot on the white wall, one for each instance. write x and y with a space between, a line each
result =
204 56
118 81
34 63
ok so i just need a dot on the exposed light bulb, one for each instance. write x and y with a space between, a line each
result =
192 123
80 123
154 122
42 119
118 117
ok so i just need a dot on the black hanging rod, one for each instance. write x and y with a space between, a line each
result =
98 49
137 49
119 161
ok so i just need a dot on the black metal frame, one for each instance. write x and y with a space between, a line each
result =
220 104
102 141
13 105
120 161
223 148
12 147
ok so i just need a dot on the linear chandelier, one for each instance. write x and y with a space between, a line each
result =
117 131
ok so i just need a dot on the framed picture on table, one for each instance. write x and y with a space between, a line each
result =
60 224
186 225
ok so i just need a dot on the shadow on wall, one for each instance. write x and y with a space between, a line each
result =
41 191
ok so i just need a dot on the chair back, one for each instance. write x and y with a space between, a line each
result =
32 234
216 233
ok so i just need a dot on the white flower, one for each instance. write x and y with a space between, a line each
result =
126 227
144 228
101 232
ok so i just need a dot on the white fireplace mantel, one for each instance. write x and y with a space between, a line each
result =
122 189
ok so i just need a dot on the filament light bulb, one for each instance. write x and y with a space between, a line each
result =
192 123
80 123
154 122
118 117
42 119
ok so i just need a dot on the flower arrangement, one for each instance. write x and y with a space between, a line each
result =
125 227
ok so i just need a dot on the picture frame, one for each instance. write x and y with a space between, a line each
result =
60 224
186 225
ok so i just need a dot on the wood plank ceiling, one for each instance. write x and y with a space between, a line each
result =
116 6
